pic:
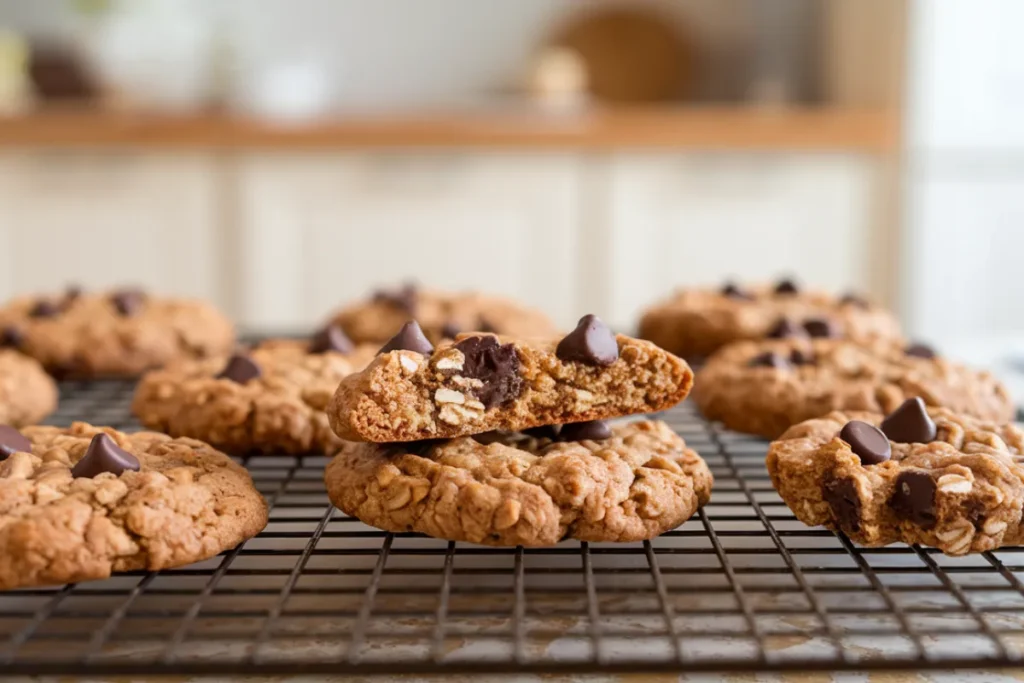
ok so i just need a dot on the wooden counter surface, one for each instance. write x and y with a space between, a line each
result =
719 127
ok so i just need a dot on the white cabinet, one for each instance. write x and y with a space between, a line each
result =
105 219
316 231
699 219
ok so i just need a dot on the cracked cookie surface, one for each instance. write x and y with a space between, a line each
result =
482 382
280 411
522 490
694 323
440 314
962 492
764 387
113 334
27 393
187 502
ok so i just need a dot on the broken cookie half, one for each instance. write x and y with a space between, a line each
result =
481 382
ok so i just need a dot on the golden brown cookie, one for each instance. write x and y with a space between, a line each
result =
114 334
928 476
83 502
268 400
764 387
27 393
482 382
694 323
516 489
441 315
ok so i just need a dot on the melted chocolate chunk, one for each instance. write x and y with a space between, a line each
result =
843 501
867 442
914 498
543 432
593 430
494 364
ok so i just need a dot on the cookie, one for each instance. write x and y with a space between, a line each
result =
83 502
115 334
482 382
695 323
764 387
516 489
27 393
441 315
267 400
921 475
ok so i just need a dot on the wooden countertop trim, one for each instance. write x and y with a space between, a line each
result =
741 128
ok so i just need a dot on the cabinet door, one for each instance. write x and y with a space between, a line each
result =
318 231
702 219
108 219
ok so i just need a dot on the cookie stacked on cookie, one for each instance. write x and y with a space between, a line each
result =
501 441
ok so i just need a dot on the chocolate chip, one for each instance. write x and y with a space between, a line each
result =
12 441
820 327
403 298
769 359
914 498
331 338
786 286
801 357
731 291
240 369
44 309
592 343
495 365
866 441
128 302
11 337
594 430
851 299
786 328
104 455
544 432
841 496
910 423
450 330
409 338
920 351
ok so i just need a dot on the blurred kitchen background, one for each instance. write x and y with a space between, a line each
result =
282 156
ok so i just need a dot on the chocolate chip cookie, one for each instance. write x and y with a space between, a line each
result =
629 482
920 475
27 393
441 315
82 502
266 400
481 382
695 323
114 334
764 387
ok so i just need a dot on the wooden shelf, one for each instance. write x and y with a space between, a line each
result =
718 127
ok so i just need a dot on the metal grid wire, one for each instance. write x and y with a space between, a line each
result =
742 586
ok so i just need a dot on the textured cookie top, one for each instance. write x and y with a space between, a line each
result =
765 386
696 322
120 333
440 314
962 491
77 506
269 399
484 382
27 393
521 490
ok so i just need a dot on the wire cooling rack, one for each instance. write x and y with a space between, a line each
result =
743 586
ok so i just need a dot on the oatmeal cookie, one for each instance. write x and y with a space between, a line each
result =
482 382
114 334
629 483
83 502
764 387
27 393
695 323
921 475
